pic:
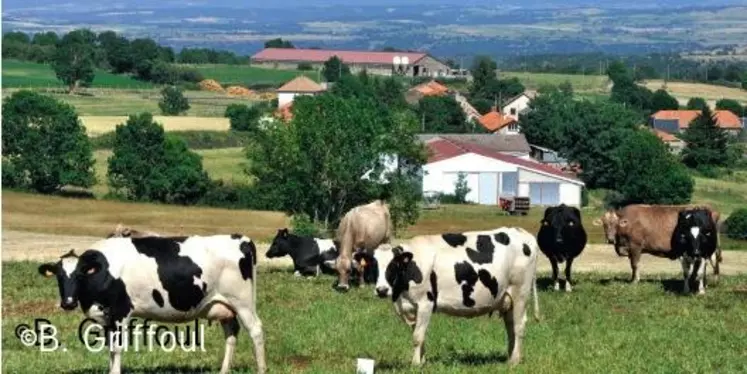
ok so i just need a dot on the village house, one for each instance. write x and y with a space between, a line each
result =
411 64
675 144
497 122
492 175
300 85
518 104
431 88
675 121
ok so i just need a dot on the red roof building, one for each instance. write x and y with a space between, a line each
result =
495 121
679 120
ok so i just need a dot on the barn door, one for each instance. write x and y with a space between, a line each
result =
488 188
544 193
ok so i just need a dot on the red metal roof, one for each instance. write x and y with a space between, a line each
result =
322 55
443 149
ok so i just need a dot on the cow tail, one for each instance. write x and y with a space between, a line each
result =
535 300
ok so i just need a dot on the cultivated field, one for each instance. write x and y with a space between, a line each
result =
23 74
98 125
711 93
249 75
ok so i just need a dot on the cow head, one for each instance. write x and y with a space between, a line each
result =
609 222
695 233
396 269
368 265
562 221
281 245
67 278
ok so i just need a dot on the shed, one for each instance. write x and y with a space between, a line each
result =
491 175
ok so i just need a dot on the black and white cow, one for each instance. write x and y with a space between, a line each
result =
562 238
695 239
467 275
168 279
311 256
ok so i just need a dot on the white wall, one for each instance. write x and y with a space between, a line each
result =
442 175
570 194
518 105
285 98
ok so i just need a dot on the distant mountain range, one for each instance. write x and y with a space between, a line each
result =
447 28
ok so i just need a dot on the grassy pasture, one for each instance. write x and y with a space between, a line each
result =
605 325
23 74
580 83
120 102
248 75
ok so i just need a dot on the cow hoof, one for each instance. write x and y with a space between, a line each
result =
556 287
568 287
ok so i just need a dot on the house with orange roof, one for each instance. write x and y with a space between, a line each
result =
675 144
431 88
300 85
674 121
496 122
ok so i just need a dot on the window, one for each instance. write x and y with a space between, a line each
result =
514 127
513 111
509 181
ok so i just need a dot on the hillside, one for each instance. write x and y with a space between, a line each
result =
23 74
683 91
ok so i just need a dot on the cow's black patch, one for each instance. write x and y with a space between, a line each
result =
178 239
485 249
247 262
236 236
502 238
158 298
400 271
488 281
526 249
433 293
467 277
454 240
100 287
176 273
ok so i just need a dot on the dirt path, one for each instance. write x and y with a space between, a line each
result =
20 245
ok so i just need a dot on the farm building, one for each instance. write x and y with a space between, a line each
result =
674 121
674 143
417 64
492 174
518 104
511 144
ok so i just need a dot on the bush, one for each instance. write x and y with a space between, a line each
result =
173 101
613 200
302 225
190 75
305 66
243 117
229 196
461 189
736 224
197 139
584 197
12 176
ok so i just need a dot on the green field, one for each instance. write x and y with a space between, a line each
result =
604 326
580 83
248 75
22 74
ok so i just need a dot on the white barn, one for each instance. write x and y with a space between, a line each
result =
492 174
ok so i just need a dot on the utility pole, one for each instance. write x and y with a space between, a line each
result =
422 122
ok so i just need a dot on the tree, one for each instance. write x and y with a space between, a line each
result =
144 52
48 38
331 144
279 43
333 69
118 52
441 114
391 93
45 144
706 143
662 100
172 101
744 80
148 165
732 106
74 60
696 103
461 188
733 73
483 73
649 174
243 117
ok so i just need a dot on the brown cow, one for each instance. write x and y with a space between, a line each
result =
364 227
639 228
122 231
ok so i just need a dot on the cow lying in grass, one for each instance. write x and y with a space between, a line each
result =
167 279
313 256
466 275
695 239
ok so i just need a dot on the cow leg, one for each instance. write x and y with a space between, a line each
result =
556 284
251 322
517 321
634 257
700 274
115 337
685 274
568 264
230 330
418 333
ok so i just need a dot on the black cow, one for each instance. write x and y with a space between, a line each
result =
168 279
562 238
694 240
